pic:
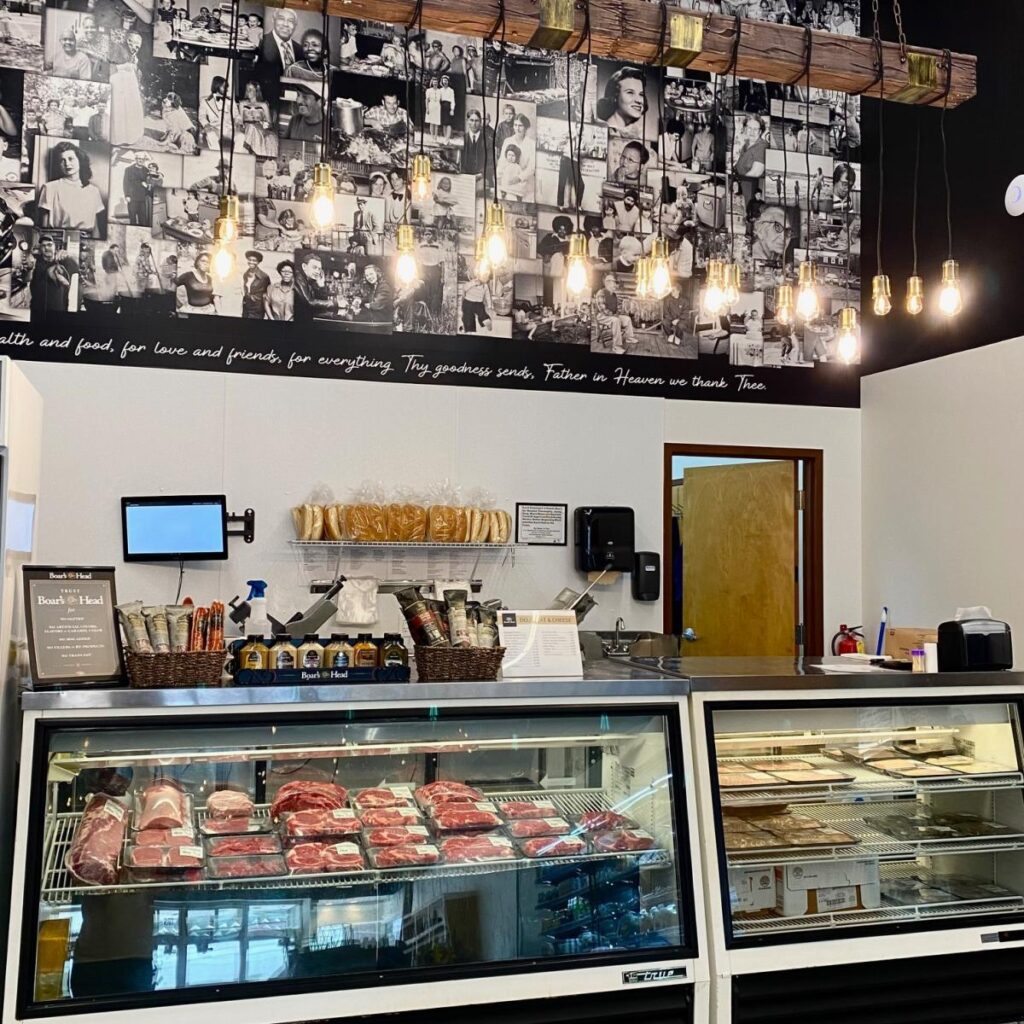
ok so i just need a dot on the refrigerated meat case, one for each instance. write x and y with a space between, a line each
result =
863 841
299 947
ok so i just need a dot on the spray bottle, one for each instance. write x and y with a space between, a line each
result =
257 623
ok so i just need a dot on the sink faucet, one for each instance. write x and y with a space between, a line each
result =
620 625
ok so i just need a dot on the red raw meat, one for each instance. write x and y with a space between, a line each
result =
247 867
603 821
165 857
384 816
626 840
401 835
567 846
303 795
405 856
233 826
163 804
469 849
528 828
310 824
315 858
518 809
379 798
96 844
455 817
228 803
447 793
343 857
240 846
165 837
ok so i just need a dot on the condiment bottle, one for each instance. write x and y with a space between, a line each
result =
282 654
338 653
364 652
311 653
393 652
255 653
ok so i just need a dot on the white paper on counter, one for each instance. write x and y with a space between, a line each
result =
540 644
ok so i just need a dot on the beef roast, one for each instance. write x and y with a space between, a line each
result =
564 846
303 795
447 793
229 803
96 844
163 804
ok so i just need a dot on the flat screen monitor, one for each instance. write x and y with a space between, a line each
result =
177 528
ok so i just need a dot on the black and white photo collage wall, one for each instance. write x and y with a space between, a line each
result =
116 126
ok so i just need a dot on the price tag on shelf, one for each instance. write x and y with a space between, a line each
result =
540 644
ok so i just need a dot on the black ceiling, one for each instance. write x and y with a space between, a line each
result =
986 150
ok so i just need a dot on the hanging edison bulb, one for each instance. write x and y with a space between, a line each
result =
732 284
421 181
881 295
225 231
951 299
713 300
322 201
494 235
483 263
661 274
848 339
577 272
642 278
406 269
915 295
808 303
784 307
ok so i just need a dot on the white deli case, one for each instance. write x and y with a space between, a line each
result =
863 841
286 855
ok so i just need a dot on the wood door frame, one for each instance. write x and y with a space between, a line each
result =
813 552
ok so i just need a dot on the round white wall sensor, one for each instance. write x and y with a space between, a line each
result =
1015 196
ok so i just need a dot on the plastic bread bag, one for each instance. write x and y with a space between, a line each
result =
442 516
366 519
134 627
490 524
157 628
357 603
415 512
335 522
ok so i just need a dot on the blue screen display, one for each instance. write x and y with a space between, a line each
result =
175 529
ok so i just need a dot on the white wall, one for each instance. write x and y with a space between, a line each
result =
265 441
943 448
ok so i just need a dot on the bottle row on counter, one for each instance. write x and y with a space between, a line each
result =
339 652
318 827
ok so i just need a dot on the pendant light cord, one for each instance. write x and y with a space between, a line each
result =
732 145
423 67
848 218
660 60
410 125
917 172
945 156
807 134
325 129
576 165
497 99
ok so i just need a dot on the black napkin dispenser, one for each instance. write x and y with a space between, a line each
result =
975 645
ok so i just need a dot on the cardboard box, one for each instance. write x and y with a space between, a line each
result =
823 887
899 642
751 890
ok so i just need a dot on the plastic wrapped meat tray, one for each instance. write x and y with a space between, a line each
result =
476 849
163 804
418 855
395 835
242 846
247 867
532 828
321 858
463 817
516 810
305 795
175 858
557 846
337 824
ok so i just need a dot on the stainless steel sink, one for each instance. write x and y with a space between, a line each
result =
632 643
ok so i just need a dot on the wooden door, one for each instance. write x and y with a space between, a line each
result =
739 539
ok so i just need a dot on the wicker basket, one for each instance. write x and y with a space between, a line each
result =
458 664
191 669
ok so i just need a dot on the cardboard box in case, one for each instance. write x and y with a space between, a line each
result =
899 642
751 890
823 887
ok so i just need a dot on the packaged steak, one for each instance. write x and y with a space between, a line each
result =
166 837
389 816
228 803
266 866
515 810
383 796
242 846
476 849
554 846
147 876
463 817
530 828
321 858
624 840
234 826
95 851
162 804
395 835
307 795
447 793
417 855
337 824
175 858
602 821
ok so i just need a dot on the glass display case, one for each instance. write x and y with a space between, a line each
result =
173 861
844 818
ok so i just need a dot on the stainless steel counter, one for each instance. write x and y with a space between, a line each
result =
602 679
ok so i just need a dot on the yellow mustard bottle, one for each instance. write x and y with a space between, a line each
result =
255 654
365 652
282 654
311 653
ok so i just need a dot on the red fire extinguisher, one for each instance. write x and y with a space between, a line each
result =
848 640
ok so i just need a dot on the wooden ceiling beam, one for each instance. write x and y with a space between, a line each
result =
629 30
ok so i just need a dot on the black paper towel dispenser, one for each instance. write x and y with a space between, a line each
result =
604 539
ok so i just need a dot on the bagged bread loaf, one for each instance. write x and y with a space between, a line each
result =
442 524
334 522
366 518
416 522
